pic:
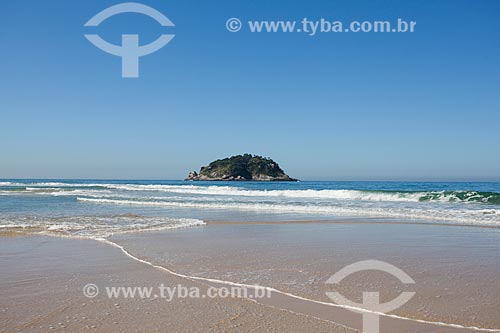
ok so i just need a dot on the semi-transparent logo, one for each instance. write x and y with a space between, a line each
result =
130 51
371 308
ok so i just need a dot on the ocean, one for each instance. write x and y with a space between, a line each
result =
100 208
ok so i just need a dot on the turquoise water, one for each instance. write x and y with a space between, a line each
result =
103 207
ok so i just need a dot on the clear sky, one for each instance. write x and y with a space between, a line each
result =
365 106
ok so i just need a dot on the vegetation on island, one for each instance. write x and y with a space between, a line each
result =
241 167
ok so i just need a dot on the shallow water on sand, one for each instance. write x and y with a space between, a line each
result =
456 269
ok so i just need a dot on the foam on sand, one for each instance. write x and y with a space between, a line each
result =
274 290
93 226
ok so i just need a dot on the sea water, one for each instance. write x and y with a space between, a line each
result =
99 208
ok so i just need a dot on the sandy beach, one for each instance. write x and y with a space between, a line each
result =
250 166
42 278
41 290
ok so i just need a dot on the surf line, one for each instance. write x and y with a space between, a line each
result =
351 308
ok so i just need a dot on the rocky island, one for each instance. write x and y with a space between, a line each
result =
242 167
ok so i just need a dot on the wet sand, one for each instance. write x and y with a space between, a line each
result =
456 272
42 278
456 269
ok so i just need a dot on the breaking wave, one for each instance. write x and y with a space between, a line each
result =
58 188
476 203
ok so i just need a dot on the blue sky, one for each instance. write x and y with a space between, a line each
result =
366 106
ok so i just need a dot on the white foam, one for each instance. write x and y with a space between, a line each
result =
96 226
458 216
51 184
237 191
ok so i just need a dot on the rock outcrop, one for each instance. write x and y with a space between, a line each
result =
245 167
